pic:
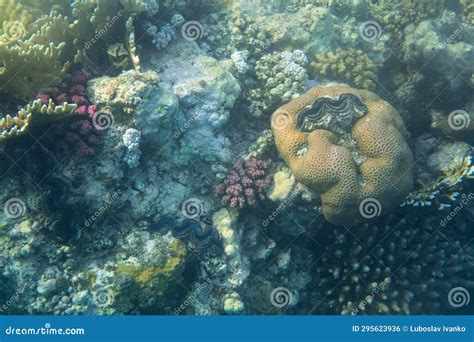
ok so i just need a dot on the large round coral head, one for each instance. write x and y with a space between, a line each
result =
348 146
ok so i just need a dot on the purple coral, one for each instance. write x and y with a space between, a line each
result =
245 184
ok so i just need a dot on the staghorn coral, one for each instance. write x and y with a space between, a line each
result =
346 145
352 66
245 183
395 267
34 113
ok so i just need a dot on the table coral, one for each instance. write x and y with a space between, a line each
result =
348 146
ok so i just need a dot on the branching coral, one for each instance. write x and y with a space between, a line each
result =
36 53
351 66
79 137
348 146
397 267
36 112
245 184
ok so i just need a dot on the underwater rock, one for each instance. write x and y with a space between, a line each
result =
350 147
206 91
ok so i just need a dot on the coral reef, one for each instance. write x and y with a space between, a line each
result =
350 66
394 267
140 174
347 145
245 184
131 140
282 77
34 113
166 33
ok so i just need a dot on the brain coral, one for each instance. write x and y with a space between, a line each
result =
348 146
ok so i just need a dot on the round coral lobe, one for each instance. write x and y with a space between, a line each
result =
349 147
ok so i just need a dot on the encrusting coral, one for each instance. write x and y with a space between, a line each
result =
347 145
352 66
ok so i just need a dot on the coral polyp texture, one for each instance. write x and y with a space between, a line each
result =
245 184
348 146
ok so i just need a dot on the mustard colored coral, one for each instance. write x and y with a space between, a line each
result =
346 145
34 112
352 66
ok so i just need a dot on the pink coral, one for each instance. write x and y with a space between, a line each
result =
245 184
77 136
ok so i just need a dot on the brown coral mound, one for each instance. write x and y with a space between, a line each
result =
348 146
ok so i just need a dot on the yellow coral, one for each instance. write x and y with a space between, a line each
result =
351 148
12 126
352 66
